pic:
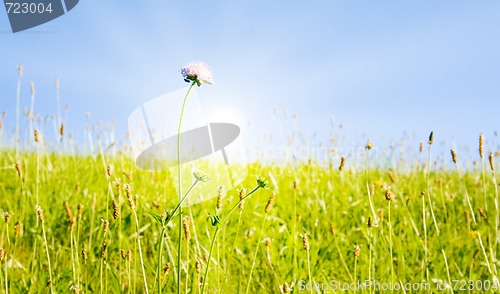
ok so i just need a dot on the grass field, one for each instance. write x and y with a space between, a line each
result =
332 225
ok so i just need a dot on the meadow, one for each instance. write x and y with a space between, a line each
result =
317 223
93 222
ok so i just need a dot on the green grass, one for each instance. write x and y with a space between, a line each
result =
332 209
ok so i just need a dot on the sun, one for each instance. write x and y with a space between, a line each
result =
225 114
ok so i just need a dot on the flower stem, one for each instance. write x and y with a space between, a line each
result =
140 252
48 258
179 253
217 229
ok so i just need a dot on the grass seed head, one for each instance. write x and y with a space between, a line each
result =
186 221
286 288
431 138
421 147
109 170
61 130
39 212
2 254
243 193
492 161
220 194
369 145
270 202
305 242
79 211
7 218
104 251
342 163
453 156
116 210
17 228
37 136
357 251
85 255
19 169
197 266
332 229
123 253
20 70
389 196
69 215
481 146
295 184
482 213
128 192
129 255
166 268
105 226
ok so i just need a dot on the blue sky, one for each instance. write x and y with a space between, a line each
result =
381 68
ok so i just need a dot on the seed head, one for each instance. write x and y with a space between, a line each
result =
7 218
370 222
421 147
116 210
369 145
185 224
105 226
2 254
481 145
453 156
197 266
19 169
57 84
118 186
372 189
220 192
295 184
37 136
123 253
305 242
286 288
109 170
61 130
482 213
166 269
39 212
389 196
104 251
492 161
342 163
392 177
357 251
79 211
332 229
84 254
243 193
267 241
128 192
431 138
270 202
69 215
20 70
129 255
17 228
